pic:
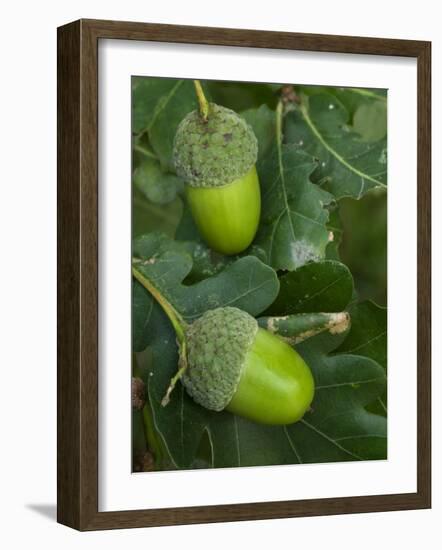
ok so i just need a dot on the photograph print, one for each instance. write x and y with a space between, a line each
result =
259 274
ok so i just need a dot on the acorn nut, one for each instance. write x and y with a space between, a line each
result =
235 365
216 157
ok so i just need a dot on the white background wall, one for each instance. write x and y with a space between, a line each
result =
28 270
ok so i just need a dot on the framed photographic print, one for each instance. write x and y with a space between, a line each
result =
240 336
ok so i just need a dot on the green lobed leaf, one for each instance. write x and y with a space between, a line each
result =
334 226
187 229
370 121
341 425
364 244
240 95
170 110
351 98
325 286
147 216
367 108
146 317
146 93
263 122
368 337
205 262
156 185
337 428
141 151
246 283
368 334
348 165
293 228
158 106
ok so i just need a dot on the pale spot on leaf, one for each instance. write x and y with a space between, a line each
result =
303 252
383 156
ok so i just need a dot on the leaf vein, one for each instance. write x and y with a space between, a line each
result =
237 440
360 436
292 445
323 289
164 103
332 151
378 379
365 344
331 440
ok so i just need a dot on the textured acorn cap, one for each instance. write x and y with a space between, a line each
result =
216 151
217 346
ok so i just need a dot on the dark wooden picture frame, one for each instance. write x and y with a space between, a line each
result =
77 459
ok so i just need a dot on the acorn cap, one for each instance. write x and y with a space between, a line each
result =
217 346
216 151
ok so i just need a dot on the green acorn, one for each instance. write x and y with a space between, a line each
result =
235 365
216 154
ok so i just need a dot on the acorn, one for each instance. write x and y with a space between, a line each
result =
216 156
234 365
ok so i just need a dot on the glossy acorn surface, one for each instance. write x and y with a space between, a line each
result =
276 385
216 157
227 217
235 365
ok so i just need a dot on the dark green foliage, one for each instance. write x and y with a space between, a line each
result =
346 383
293 228
316 253
348 165
320 286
